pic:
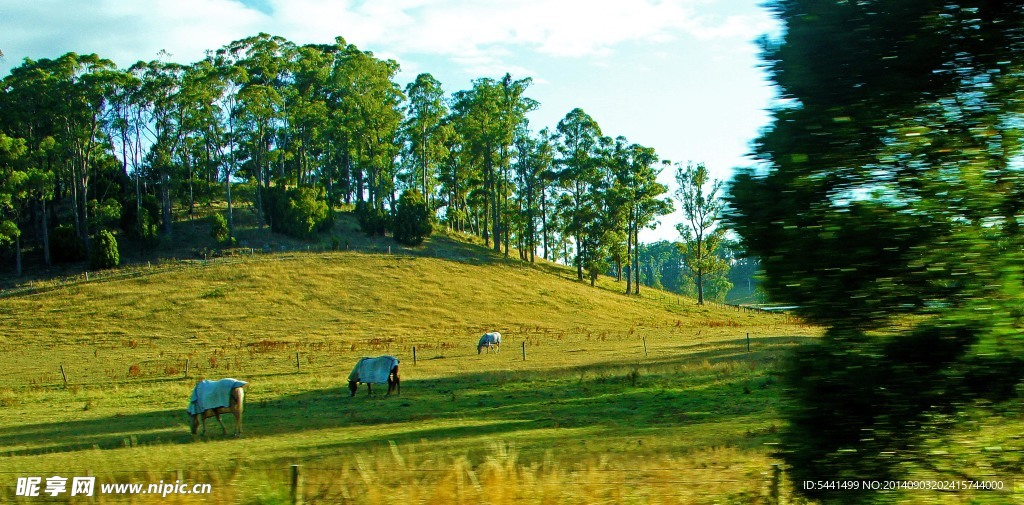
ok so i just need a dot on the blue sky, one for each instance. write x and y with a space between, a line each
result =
681 76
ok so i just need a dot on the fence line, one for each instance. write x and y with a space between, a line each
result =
294 477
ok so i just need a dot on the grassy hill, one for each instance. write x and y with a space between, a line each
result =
624 399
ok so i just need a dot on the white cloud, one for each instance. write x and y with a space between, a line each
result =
123 30
471 30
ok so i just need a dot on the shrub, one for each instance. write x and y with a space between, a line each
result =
104 251
412 219
139 223
106 214
65 245
297 212
219 228
372 220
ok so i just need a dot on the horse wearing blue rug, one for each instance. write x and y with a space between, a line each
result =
379 370
213 398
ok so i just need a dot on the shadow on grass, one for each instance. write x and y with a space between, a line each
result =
621 396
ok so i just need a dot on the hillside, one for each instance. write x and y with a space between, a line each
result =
441 295
623 387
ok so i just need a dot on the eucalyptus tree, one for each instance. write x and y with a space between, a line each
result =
59 105
203 129
369 106
28 97
639 197
262 69
580 175
307 152
534 160
474 118
12 193
701 201
160 92
487 117
224 81
513 107
456 178
424 133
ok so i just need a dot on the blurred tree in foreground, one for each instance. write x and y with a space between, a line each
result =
890 212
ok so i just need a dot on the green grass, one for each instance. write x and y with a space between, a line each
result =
620 400
584 415
588 416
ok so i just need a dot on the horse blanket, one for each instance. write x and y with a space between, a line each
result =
489 339
212 395
373 370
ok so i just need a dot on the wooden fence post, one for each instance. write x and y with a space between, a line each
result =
776 481
62 374
645 345
524 350
413 355
297 498
297 368
186 367
748 342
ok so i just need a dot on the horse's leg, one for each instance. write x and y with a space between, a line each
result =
222 428
202 418
239 397
369 389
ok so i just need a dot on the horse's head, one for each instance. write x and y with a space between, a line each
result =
353 386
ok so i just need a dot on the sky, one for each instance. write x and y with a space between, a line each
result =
681 76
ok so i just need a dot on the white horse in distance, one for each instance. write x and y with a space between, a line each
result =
489 340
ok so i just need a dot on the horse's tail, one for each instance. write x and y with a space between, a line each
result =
397 384
238 399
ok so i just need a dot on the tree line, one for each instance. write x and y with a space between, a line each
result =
299 130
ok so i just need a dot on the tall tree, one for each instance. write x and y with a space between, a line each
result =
370 106
888 192
12 193
640 197
580 175
702 210
423 131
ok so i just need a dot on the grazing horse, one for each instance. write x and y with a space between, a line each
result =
379 370
213 398
492 339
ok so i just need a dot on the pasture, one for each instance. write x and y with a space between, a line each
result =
618 400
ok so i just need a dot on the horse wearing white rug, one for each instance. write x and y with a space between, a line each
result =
379 370
213 398
489 340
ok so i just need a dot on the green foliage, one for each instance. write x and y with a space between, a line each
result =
297 212
65 245
106 215
219 227
139 223
889 212
372 220
104 252
413 220
701 229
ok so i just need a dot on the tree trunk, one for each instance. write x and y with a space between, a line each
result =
17 253
636 261
165 204
46 235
